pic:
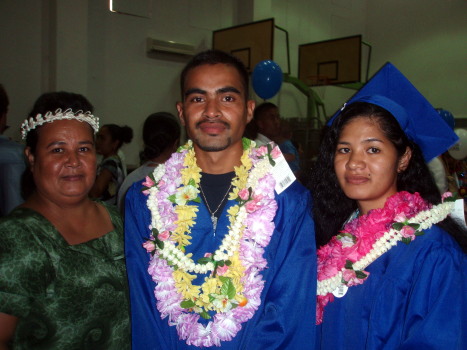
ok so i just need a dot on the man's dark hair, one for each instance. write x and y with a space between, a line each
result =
212 57
4 101
160 132
263 107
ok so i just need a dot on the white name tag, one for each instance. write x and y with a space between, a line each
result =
457 212
282 174
340 291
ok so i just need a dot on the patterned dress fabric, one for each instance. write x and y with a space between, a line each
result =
65 296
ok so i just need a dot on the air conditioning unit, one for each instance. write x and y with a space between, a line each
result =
155 45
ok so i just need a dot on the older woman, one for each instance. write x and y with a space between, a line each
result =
391 271
63 283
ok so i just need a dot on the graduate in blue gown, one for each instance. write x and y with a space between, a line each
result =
388 276
215 110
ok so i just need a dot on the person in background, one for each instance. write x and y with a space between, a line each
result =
161 137
437 165
229 241
111 171
63 279
268 123
12 163
391 262
269 126
290 152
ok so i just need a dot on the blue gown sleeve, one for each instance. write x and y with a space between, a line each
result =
437 311
143 322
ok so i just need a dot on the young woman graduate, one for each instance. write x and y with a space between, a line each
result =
391 266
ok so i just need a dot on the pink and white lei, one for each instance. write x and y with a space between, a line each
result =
249 234
364 239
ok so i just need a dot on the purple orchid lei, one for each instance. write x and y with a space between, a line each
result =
258 205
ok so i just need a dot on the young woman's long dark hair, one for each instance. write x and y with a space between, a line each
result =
332 207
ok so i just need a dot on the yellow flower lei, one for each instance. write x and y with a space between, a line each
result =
200 295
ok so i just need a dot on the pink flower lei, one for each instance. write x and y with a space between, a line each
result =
259 206
366 238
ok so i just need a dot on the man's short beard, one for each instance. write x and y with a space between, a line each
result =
213 148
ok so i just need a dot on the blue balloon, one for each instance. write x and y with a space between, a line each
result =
267 79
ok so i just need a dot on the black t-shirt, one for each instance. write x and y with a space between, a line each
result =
215 187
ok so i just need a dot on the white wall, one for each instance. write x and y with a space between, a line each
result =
20 57
79 46
427 41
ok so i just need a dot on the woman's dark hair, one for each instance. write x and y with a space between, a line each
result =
332 207
160 132
50 102
124 134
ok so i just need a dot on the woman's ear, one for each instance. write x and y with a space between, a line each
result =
29 157
404 161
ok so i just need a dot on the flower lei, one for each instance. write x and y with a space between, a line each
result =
342 261
232 288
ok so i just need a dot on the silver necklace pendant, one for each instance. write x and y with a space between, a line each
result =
214 223
213 213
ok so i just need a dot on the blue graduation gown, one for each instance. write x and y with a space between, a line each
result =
414 298
285 318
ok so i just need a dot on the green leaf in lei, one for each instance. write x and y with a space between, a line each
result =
406 240
348 265
204 261
228 287
205 315
271 161
361 275
246 143
160 244
187 304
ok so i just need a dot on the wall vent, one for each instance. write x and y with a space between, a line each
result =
155 45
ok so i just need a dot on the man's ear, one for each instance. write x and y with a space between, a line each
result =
29 157
250 107
181 116
404 161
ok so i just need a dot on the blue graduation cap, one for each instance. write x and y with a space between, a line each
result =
391 90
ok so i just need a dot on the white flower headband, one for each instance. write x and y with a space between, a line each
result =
49 117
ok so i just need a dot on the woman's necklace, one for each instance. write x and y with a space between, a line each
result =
342 261
232 287
213 213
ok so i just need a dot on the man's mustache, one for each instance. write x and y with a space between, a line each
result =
198 124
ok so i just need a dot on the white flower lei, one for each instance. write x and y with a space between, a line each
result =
230 242
425 219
